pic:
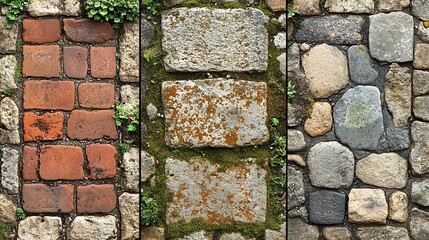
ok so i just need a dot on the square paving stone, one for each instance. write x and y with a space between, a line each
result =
327 207
203 39
215 112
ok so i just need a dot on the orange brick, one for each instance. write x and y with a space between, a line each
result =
41 198
48 126
41 31
49 95
87 30
41 61
103 62
75 61
30 162
101 161
96 198
61 163
96 95
91 125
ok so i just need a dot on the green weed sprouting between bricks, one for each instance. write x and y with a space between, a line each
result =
14 9
130 117
21 214
6 93
290 11
114 11
149 211
153 6
278 146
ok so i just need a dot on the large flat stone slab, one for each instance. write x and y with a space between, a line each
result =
203 39
332 29
215 112
199 190
387 45
358 118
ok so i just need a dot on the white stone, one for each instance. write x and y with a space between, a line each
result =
93 227
38 228
128 47
129 97
129 209
8 65
9 169
130 164
9 114
38 8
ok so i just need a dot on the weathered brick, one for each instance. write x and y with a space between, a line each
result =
215 112
48 126
103 62
61 163
41 31
96 95
75 61
41 198
30 162
101 161
96 198
86 30
91 125
49 95
41 61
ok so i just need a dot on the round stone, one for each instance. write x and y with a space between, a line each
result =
320 120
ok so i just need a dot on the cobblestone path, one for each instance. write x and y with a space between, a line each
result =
61 163
358 161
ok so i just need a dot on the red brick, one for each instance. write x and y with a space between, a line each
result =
87 30
96 198
75 61
91 125
48 126
103 62
96 95
41 61
101 161
49 95
61 163
41 31
30 162
41 198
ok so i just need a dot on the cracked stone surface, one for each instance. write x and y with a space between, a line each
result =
203 39
198 189
215 112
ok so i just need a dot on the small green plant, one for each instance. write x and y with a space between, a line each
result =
153 6
149 211
123 148
21 214
278 145
117 186
290 11
114 11
291 186
14 9
6 93
4 230
290 92
117 55
130 117
275 122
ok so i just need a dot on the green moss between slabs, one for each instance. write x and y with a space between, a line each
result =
153 141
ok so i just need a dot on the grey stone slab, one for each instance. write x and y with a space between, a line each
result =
360 65
382 233
296 192
420 8
420 82
358 118
203 39
215 112
419 155
9 170
327 207
419 224
388 45
331 29
199 190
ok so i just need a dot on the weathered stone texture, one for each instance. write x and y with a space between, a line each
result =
203 39
129 97
382 233
392 5
398 206
152 233
9 114
93 227
38 8
358 118
297 229
9 169
421 108
326 70
147 166
330 29
198 189
308 7
360 65
419 156
388 170
337 233
320 120
129 209
350 6
423 32
130 164
295 141
7 209
367 206
421 53
296 194
128 47
398 94
35 228
215 112
331 165
419 224
419 192
8 38
420 8
8 66
200 235
327 207
420 82
387 45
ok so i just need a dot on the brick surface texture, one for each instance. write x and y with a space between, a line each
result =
69 157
